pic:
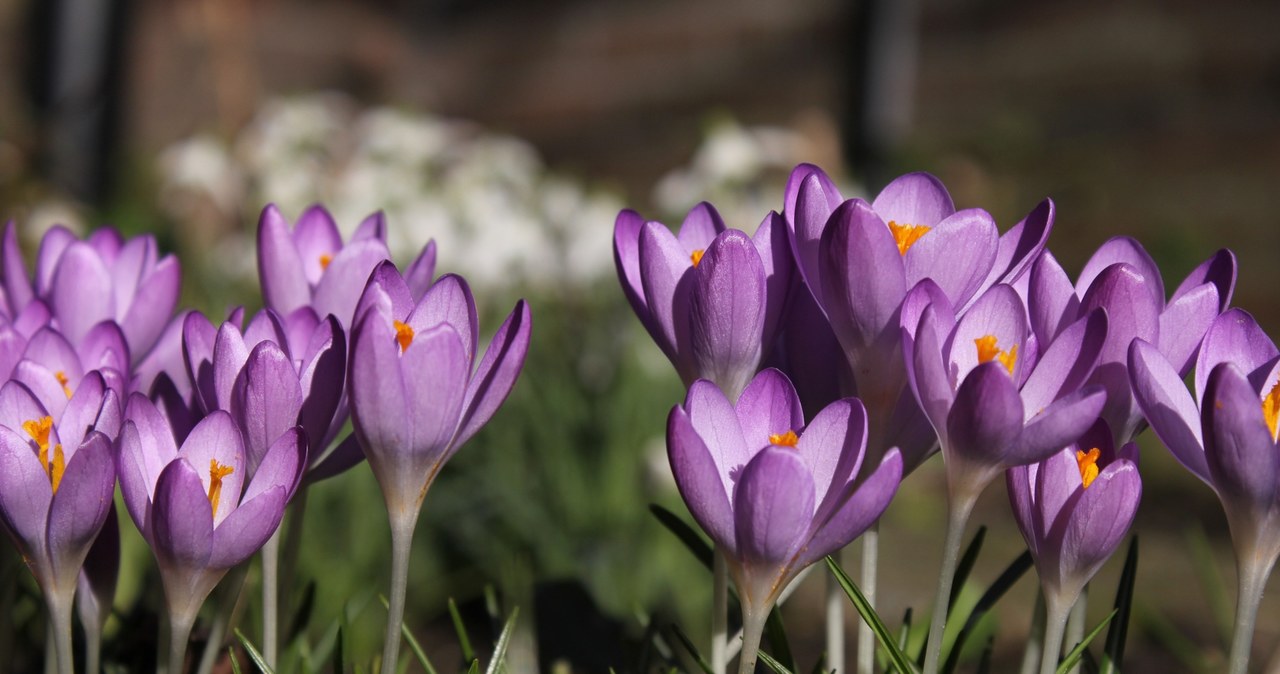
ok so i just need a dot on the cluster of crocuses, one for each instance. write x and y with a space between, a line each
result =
953 337
212 426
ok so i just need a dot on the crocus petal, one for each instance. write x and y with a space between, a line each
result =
626 257
16 284
448 301
811 198
323 375
1168 406
814 359
771 244
1068 363
1220 270
1237 444
1022 245
246 530
1126 250
927 373
281 466
768 406
1132 312
863 277
81 293
1233 337
315 235
914 199
44 385
727 312
422 271
280 269
378 398
923 294
700 227
497 373
1051 302
857 514
957 254
25 492
1059 425
1020 483
215 438
343 456
716 422
267 400
82 502
18 405
11 346
52 245
229 355
152 305
105 346
435 372
986 418
666 276
998 313
387 292
81 412
182 520
832 450
374 226
1184 322
772 507
1099 521
699 479
198 338
339 290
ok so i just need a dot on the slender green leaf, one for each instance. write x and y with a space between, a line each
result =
691 539
464 641
778 642
984 662
1113 651
339 652
254 655
1220 602
964 567
693 650
1003 582
773 664
474 668
820 667
1074 656
897 659
413 643
504 640
302 616
905 632
235 663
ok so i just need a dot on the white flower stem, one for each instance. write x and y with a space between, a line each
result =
228 598
271 599
1252 575
92 646
1056 612
401 544
960 506
752 629
719 613
870 561
835 600
59 605
1075 623
180 624
1035 638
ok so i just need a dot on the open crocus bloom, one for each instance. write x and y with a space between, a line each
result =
308 264
53 369
711 297
1123 279
993 398
416 394
773 494
192 503
1074 508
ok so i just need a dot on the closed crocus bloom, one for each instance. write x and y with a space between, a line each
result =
57 476
1073 509
1228 440
417 395
195 504
774 494
1123 279
53 369
309 265
711 297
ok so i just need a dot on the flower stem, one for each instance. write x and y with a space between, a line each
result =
59 605
870 561
835 600
271 599
92 646
1035 638
1075 623
961 505
719 613
228 599
1056 612
1251 575
752 629
401 545
179 633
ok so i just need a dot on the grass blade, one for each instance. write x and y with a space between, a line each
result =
773 664
693 650
413 643
897 659
504 640
1003 582
1074 656
691 539
905 632
778 642
339 652
464 641
474 668
235 664
1113 651
302 616
253 653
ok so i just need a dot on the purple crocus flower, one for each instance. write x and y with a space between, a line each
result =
993 399
1122 278
417 395
20 310
308 264
57 476
710 297
859 259
1073 509
773 494
192 504
53 369
1228 441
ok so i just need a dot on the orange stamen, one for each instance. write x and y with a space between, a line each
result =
696 256
788 439
217 471
1271 408
906 235
55 468
1088 464
62 379
404 335
38 429
325 259
989 351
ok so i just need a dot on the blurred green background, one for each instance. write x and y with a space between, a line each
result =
512 132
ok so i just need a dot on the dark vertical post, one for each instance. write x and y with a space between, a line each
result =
882 84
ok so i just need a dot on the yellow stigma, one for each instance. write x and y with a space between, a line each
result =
1088 464
988 351
906 235
696 256
788 439
325 259
404 335
38 429
217 471
62 380
1271 408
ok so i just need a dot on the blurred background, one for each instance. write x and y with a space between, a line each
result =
512 132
